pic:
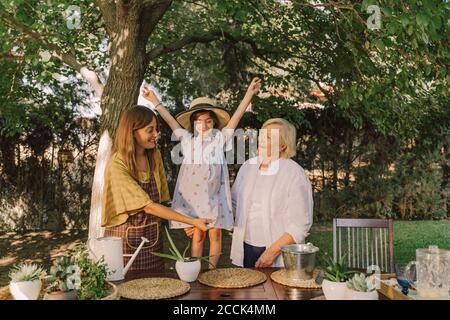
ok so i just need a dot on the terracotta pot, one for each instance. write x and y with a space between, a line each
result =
61 295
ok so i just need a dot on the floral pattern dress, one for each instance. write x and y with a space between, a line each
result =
203 187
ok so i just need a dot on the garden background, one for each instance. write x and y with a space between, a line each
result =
366 84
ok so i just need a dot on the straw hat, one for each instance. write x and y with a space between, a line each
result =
203 103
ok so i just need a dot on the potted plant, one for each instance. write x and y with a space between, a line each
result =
25 281
361 287
93 274
63 280
187 268
335 275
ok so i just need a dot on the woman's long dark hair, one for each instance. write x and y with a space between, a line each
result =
136 117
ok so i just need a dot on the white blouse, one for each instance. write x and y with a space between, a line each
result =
287 205
253 236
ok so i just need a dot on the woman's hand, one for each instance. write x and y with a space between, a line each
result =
254 86
267 258
189 231
150 95
202 224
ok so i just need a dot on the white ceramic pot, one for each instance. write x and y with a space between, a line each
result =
334 290
188 271
357 295
25 290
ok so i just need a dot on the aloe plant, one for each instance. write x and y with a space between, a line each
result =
336 271
361 283
175 253
25 272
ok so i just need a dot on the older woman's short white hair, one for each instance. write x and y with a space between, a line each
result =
288 136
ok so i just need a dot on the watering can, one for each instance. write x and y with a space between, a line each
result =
111 249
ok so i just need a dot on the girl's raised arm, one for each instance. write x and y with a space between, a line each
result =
150 95
252 89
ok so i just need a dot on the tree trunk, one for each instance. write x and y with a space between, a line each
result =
348 160
7 151
128 63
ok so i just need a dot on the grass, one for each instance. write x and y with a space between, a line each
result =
42 247
408 236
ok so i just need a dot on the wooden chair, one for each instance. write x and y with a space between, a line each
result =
365 241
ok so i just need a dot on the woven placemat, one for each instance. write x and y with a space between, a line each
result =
281 277
232 278
153 288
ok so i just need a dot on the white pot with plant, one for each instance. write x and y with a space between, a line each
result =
25 281
335 275
64 279
361 287
188 268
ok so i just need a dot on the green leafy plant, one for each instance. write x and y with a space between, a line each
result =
336 271
25 272
93 274
361 283
64 275
175 253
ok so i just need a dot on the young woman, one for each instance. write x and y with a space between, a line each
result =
203 188
135 184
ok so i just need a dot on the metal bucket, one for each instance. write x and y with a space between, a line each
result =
299 260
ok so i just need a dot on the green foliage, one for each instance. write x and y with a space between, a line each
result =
335 271
93 275
386 89
64 275
175 253
25 272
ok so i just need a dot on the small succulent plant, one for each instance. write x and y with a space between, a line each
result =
335 271
361 283
25 272
64 275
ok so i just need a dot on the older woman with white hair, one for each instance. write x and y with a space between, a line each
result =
272 200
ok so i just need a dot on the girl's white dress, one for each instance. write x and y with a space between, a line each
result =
203 187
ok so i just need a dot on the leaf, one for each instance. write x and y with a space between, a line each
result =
422 19
167 256
185 250
173 246
388 11
379 44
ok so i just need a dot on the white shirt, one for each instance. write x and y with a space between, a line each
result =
287 205
253 235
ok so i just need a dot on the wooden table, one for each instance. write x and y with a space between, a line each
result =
268 290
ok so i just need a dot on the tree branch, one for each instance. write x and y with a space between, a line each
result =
152 13
69 59
108 11
201 38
